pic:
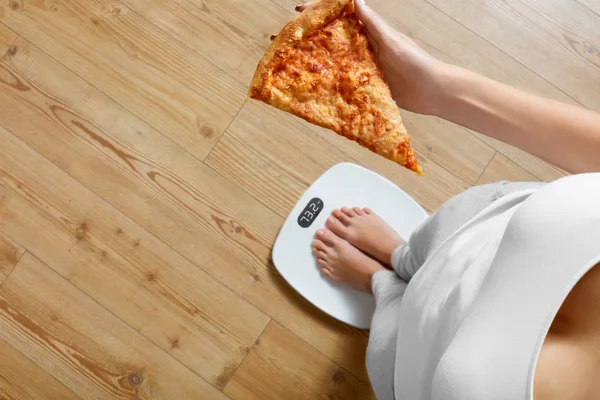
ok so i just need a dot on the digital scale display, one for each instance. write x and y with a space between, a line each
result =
310 212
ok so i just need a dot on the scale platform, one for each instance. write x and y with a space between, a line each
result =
349 185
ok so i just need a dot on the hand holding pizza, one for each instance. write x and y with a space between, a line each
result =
414 76
322 69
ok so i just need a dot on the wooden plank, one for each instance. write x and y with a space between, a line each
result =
171 87
283 155
85 347
276 188
239 32
190 207
140 279
558 39
10 253
502 168
273 370
22 379
7 36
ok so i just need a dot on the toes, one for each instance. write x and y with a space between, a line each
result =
336 226
319 254
358 211
367 210
323 266
328 237
349 212
342 216
318 244
328 274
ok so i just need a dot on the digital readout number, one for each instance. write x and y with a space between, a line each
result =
310 212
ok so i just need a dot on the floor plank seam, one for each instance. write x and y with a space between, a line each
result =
10 47
505 53
224 132
526 169
16 264
246 356
486 167
497 151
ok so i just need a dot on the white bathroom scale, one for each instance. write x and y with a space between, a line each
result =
343 185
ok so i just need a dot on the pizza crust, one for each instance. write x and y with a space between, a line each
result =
307 22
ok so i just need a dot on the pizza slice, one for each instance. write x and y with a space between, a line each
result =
321 68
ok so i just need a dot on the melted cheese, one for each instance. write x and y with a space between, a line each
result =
331 79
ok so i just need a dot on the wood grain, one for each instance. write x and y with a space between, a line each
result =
283 151
85 347
22 379
239 31
184 96
159 185
123 267
273 370
557 39
207 219
10 253
7 36
145 192
502 168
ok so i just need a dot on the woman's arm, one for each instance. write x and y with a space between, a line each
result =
562 134
565 135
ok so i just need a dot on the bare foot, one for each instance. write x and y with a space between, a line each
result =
365 230
342 262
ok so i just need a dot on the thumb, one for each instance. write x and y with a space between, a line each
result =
375 25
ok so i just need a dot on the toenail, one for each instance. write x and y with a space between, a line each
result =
320 232
331 219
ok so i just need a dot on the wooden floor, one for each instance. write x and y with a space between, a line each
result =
141 193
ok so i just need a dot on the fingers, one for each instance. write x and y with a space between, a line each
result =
376 26
302 7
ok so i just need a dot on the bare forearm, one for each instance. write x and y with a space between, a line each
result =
565 135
